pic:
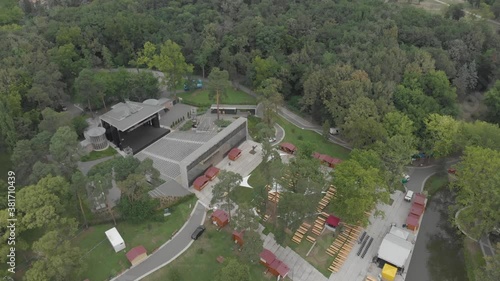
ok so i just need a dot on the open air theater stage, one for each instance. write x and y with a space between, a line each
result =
134 125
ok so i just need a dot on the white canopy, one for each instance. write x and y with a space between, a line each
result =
395 250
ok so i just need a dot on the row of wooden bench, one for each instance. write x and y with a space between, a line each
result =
318 225
273 197
326 199
342 246
301 232
370 278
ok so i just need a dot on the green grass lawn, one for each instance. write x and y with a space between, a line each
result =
5 164
200 98
199 262
243 195
318 256
435 183
298 137
94 155
103 262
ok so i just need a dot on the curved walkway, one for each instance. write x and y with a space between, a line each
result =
168 251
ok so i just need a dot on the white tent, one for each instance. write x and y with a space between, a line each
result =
115 239
395 250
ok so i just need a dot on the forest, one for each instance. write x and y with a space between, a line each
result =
389 75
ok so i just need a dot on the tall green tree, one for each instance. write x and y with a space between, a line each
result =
359 189
271 99
64 149
443 134
51 120
492 100
362 124
477 190
57 259
89 90
208 46
224 189
168 59
218 84
233 271
395 153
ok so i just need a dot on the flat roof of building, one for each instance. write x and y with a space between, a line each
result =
125 115
210 143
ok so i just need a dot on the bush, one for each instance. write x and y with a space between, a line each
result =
79 125
222 123
187 126
140 210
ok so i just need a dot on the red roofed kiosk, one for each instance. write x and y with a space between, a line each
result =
234 154
412 222
417 209
212 172
137 255
267 258
238 237
288 147
200 182
279 268
419 199
220 218
333 221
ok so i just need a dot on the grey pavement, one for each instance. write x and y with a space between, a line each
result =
175 113
169 188
168 251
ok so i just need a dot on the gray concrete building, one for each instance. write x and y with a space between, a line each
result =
213 151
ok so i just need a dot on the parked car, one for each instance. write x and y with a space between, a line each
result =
197 232
408 196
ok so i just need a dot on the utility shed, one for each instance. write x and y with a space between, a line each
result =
115 239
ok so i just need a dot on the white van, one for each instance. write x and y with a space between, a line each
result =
409 195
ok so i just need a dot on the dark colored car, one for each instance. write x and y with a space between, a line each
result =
197 233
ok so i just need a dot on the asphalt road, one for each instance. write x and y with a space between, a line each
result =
168 251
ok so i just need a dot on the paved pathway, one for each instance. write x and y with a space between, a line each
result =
168 251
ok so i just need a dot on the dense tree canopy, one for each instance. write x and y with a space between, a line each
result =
477 190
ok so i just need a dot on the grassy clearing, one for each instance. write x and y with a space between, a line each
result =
473 258
243 195
199 261
101 259
5 164
435 183
200 98
318 256
298 137
94 155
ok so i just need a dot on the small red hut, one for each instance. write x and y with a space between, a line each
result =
234 154
212 172
200 182
288 147
220 218
417 209
333 221
412 222
137 255
267 258
419 199
279 268
238 237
